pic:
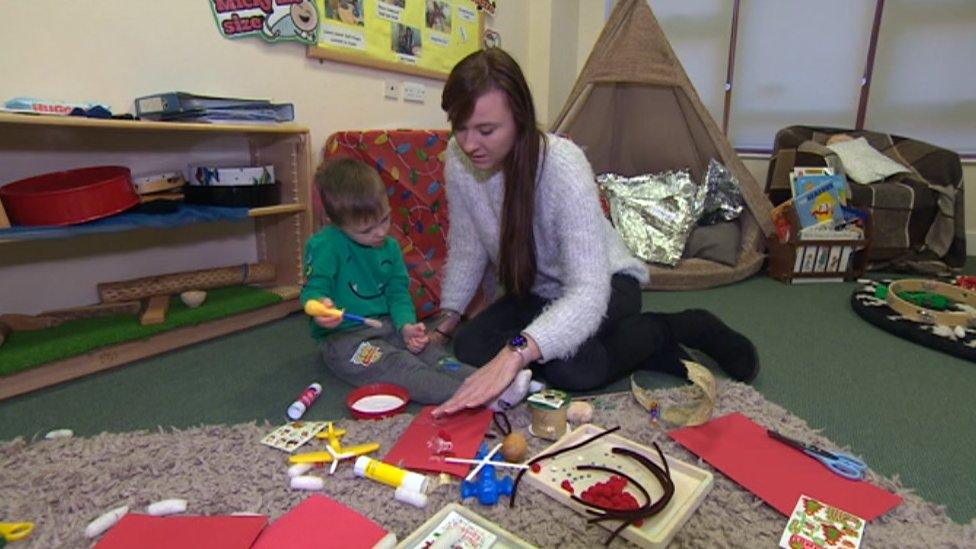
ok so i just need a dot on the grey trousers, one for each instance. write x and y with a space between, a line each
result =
365 355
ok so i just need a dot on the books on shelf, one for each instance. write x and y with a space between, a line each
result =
187 107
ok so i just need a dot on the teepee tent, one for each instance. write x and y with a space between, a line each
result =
634 111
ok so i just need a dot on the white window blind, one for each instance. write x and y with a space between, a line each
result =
797 63
699 31
924 86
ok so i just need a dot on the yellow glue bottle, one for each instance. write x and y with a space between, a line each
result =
390 475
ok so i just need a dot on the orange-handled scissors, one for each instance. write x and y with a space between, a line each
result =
13 531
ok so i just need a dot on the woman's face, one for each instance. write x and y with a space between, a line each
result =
489 134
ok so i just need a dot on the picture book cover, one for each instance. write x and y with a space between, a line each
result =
818 205
815 524
802 183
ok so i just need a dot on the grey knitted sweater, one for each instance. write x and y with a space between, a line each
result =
577 250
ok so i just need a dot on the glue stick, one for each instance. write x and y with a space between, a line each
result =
390 475
297 408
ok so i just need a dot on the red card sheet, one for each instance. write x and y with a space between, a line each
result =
777 472
466 428
320 522
190 532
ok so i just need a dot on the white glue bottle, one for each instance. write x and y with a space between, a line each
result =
308 396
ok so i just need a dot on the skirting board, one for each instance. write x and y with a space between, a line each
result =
117 355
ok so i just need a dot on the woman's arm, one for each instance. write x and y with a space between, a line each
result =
466 257
582 255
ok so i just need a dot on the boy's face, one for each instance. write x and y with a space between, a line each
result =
369 233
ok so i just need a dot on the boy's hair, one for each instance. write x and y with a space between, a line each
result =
351 191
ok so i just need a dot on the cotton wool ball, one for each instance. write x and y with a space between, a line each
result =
579 412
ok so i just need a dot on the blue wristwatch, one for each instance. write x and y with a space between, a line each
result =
520 344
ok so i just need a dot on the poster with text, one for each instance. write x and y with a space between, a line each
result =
425 37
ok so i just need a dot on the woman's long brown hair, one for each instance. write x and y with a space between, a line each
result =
477 74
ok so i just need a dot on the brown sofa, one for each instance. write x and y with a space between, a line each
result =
918 217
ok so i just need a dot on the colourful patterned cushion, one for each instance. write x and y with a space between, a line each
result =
411 163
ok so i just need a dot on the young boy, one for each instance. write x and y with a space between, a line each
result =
353 265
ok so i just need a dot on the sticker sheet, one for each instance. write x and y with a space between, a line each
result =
291 436
815 524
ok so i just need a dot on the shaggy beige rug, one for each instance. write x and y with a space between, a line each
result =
63 484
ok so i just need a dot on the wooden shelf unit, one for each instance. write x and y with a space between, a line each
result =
31 145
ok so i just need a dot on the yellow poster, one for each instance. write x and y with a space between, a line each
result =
425 37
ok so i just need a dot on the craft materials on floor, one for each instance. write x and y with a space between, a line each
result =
212 532
308 396
839 463
15 531
549 409
335 452
482 482
642 499
250 478
695 413
467 429
458 526
377 401
776 472
291 436
410 487
815 524
319 521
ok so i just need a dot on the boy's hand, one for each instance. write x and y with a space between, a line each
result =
415 337
327 322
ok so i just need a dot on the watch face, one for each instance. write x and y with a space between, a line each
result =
518 342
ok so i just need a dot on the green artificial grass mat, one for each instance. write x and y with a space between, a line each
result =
27 349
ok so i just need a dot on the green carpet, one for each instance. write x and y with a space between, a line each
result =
904 408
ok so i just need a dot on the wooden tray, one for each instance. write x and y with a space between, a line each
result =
691 484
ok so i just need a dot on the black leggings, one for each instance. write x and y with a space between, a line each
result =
626 340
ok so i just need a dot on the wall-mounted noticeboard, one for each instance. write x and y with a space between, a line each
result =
421 37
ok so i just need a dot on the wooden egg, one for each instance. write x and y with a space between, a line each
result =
514 447
193 298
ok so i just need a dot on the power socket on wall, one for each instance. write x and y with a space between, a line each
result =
391 89
415 92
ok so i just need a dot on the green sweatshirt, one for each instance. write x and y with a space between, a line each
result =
359 279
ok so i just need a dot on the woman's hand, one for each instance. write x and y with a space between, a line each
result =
327 322
484 385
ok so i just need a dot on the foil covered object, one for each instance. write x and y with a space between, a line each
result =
723 196
654 213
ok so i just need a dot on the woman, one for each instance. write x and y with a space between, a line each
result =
526 203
